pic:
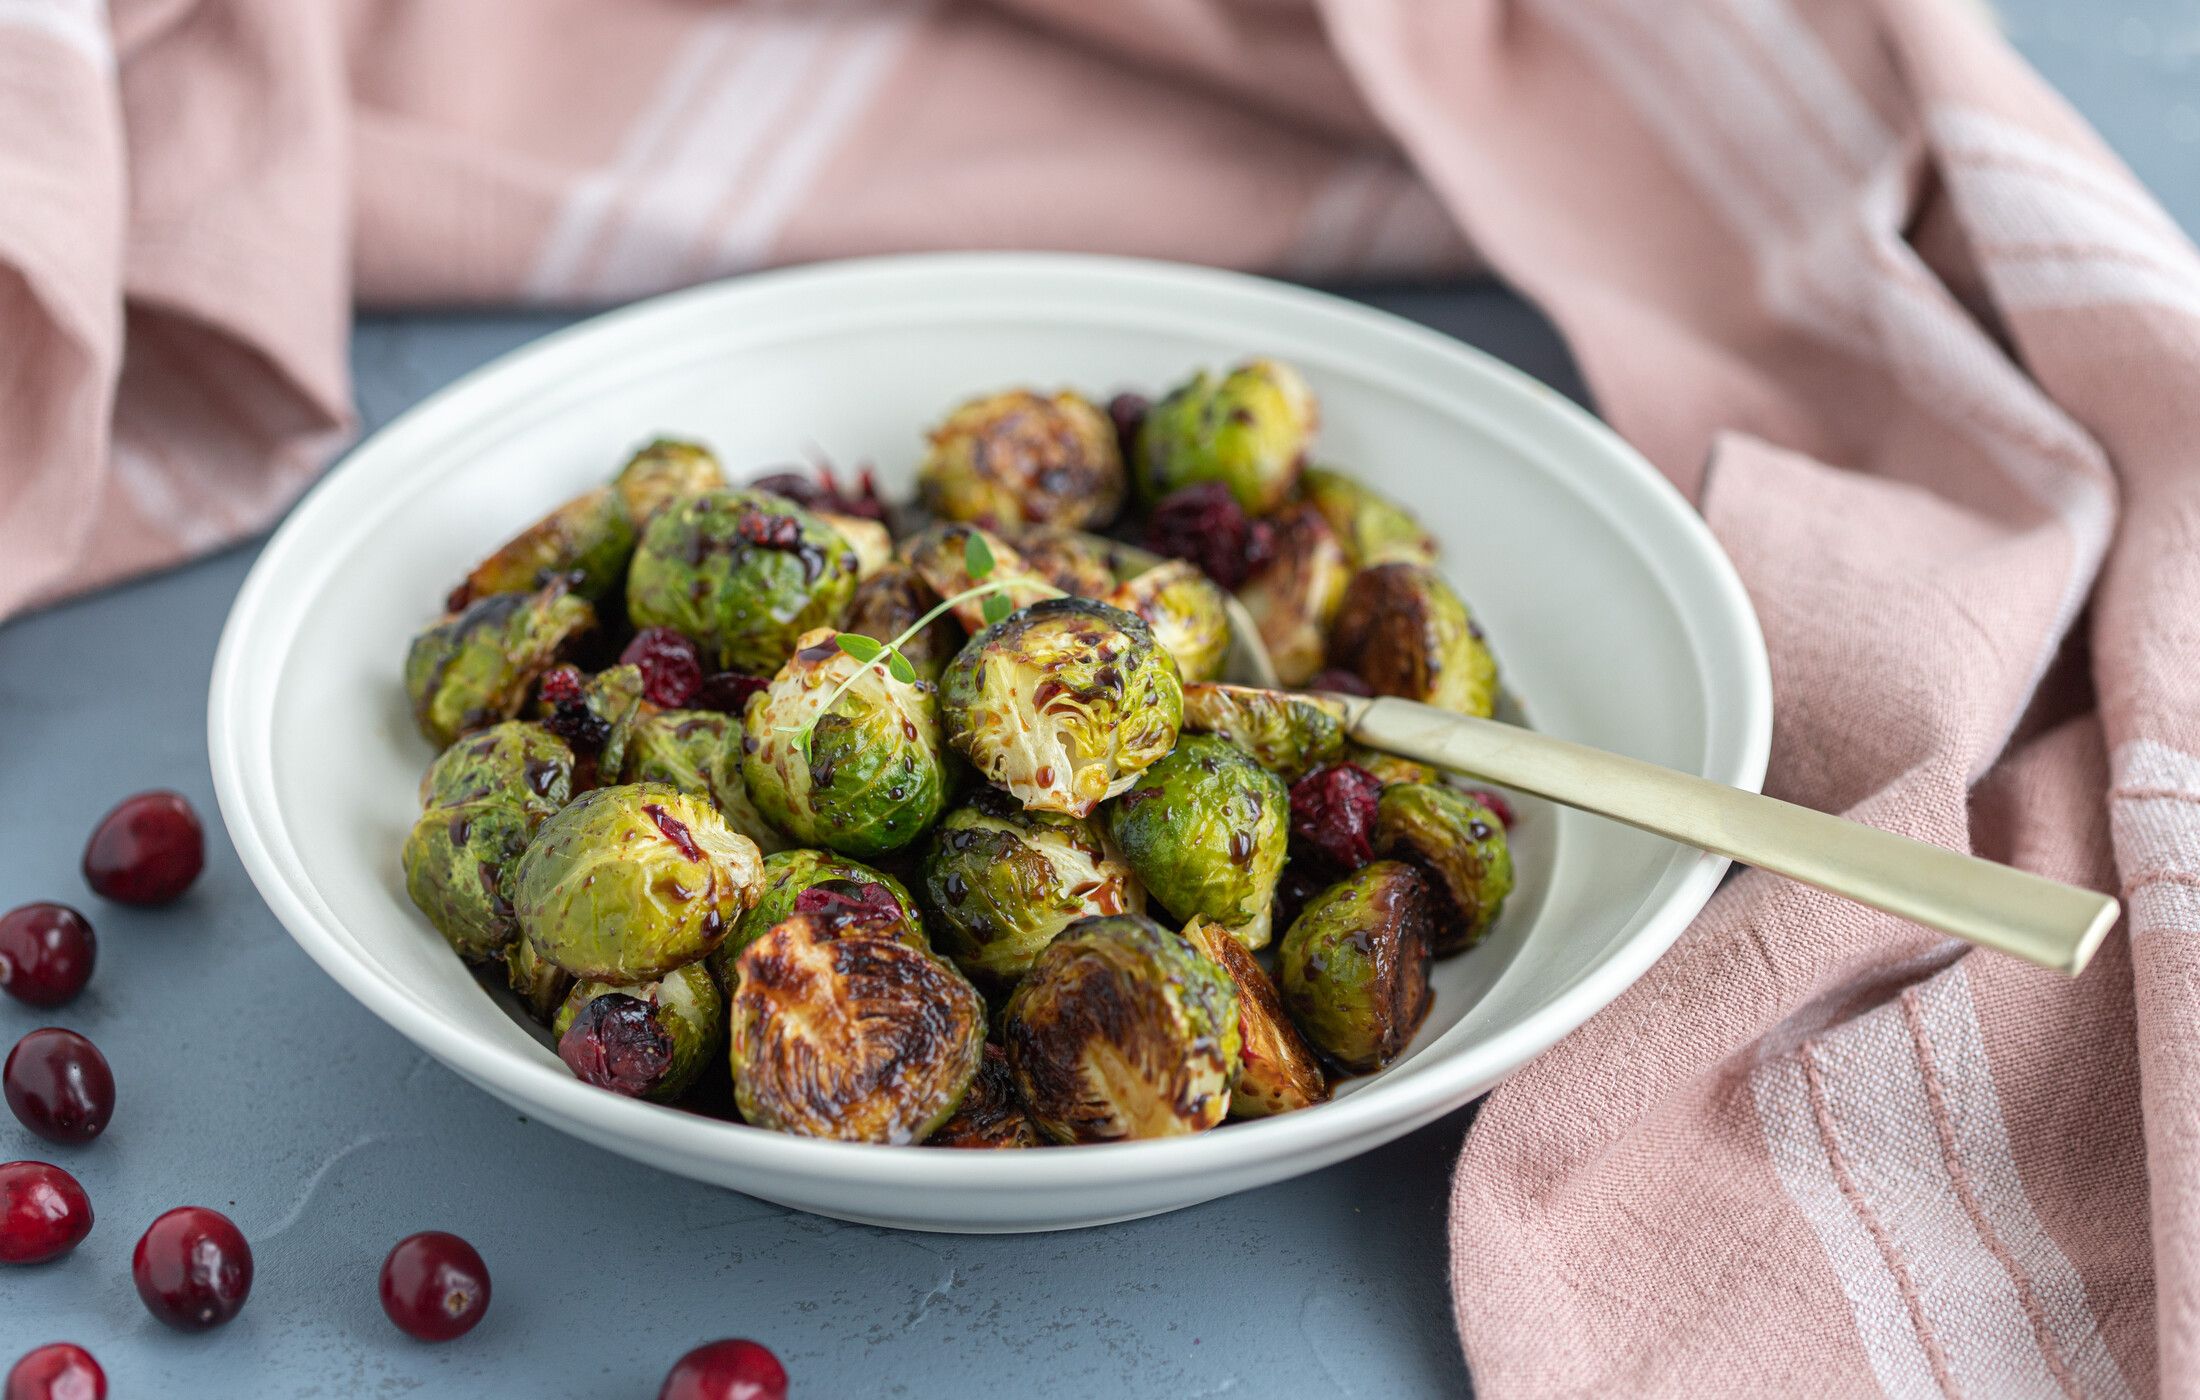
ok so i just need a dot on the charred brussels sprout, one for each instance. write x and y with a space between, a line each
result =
540 986
1063 704
990 1116
664 472
1123 1030
1071 560
1403 631
586 541
630 882
744 573
474 667
888 603
789 873
1206 830
647 1041
1019 458
1460 846
1185 610
699 752
516 762
850 1035
1278 1072
1290 735
1001 882
457 861
1295 596
939 555
870 779
1249 430
1354 965
1372 528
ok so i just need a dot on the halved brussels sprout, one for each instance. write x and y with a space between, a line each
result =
1387 768
1019 458
1123 1030
473 668
850 1035
587 541
630 882
1460 845
870 539
540 986
1290 735
1071 560
1249 430
647 1041
744 573
1207 830
1185 610
1295 596
596 714
457 859
788 873
1403 631
517 762
991 1116
664 472
1354 965
699 752
888 603
938 554
1001 882
872 779
1278 1072
1372 528
1064 703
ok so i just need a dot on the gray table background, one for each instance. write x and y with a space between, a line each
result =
249 1082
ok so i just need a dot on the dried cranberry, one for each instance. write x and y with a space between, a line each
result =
735 1369
564 689
768 531
44 1213
1206 525
46 953
1333 813
1496 803
672 669
727 692
57 1371
1128 413
434 1286
615 1043
823 491
59 1086
562 685
842 902
148 850
193 1268
1340 682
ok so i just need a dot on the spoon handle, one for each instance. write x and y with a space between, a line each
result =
1995 906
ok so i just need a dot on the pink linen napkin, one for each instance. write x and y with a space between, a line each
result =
1924 353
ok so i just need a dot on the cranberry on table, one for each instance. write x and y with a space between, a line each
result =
434 1286
46 953
59 1086
192 1268
147 851
57 1371
44 1213
735 1369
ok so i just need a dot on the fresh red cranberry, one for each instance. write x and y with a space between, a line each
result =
434 1286
1206 525
1128 413
615 1043
1341 682
193 1269
59 1086
46 953
44 1213
672 670
1496 804
735 1369
148 850
57 1371
1333 812
842 902
727 692
824 491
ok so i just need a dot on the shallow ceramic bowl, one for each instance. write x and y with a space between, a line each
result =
1615 618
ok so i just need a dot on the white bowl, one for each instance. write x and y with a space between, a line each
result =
1613 614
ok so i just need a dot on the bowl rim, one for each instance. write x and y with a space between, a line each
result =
1737 750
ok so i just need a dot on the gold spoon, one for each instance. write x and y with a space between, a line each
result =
1994 906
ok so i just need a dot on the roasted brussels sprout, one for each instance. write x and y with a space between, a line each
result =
587 541
474 667
647 1041
516 761
1206 831
540 986
699 752
457 861
1294 597
1387 768
1185 610
850 1035
1290 735
1403 631
1001 882
788 873
888 603
870 778
1019 458
1249 430
1071 560
1354 965
990 1116
1064 703
938 554
744 573
1278 1073
1123 1030
1372 528
630 882
1460 845
664 472
870 539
